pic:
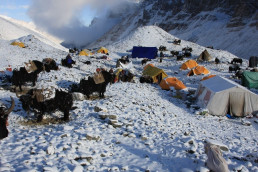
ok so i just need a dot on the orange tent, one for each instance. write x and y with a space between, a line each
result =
166 83
207 77
198 70
189 64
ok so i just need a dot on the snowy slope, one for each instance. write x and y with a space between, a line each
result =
11 29
154 131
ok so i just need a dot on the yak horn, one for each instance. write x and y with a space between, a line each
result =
11 108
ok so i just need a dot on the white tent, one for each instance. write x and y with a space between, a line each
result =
221 96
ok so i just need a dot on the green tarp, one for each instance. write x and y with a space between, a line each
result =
250 79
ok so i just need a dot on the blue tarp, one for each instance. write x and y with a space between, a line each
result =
145 52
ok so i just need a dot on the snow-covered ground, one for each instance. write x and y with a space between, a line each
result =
136 127
11 29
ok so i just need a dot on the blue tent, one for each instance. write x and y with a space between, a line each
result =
145 52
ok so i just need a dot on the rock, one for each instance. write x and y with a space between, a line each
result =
144 138
64 135
78 96
112 116
246 123
97 109
117 125
50 150
102 116
113 121
89 137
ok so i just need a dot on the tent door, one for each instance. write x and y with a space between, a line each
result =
237 103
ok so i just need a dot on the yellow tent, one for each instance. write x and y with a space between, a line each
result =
157 74
166 83
85 52
198 70
102 50
20 44
189 64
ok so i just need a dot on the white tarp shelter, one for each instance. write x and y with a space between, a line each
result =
221 96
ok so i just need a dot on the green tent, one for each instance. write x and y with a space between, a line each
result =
250 79
157 74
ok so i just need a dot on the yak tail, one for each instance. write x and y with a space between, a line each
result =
74 107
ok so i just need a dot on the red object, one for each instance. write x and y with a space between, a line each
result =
98 69
9 68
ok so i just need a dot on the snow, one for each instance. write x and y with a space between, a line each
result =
136 127
13 29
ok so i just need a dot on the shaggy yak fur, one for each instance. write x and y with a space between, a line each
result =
49 64
162 48
233 68
20 77
187 49
217 61
146 79
177 41
87 87
144 61
62 101
179 57
4 112
174 53
237 60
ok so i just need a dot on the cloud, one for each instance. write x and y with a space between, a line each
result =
13 7
63 18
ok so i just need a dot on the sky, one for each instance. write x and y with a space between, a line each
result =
15 9
68 20
18 9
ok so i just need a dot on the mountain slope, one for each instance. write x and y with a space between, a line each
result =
228 25
12 29
145 128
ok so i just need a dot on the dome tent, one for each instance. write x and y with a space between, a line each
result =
20 44
168 82
204 56
189 64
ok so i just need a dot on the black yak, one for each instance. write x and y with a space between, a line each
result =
124 60
187 49
146 79
20 77
4 112
31 71
87 87
233 68
217 61
144 61
174 53
49 64
62 101
162 48
237 60
177 41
